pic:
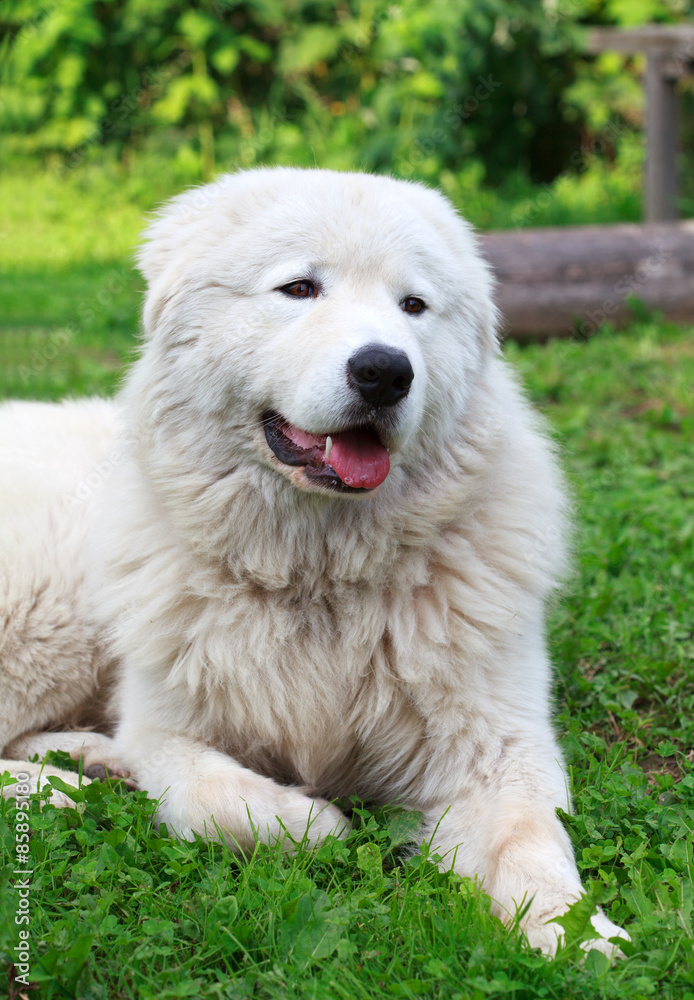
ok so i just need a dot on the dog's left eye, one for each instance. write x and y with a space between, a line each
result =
413 305
300 289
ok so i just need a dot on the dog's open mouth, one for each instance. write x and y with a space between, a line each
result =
348 461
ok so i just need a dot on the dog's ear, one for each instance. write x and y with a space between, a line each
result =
480 307
175 225
180 236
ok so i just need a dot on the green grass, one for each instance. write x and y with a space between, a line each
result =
121 910
69 295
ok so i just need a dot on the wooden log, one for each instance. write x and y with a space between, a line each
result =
569 281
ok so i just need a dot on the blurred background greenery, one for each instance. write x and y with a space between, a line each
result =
494 100
107 107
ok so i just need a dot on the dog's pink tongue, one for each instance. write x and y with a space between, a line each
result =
359 459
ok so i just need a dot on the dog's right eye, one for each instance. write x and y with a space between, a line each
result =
300 289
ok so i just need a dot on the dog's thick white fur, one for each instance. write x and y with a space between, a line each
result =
274 642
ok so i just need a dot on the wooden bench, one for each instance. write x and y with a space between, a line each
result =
670 55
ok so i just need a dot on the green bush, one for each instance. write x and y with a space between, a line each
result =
413 88
471 96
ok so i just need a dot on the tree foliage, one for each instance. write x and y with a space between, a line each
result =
412 87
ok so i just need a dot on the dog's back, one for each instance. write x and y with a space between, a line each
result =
53 459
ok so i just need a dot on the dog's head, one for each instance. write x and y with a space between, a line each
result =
321 327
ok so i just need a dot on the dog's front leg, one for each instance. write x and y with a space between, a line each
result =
503 828
204 791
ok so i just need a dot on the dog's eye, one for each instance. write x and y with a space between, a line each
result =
300 289
413 305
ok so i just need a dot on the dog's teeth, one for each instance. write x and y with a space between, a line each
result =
328 448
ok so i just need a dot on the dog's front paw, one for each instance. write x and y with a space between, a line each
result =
110 769
333 820
542 935
219 798
311 820
547 935
606 930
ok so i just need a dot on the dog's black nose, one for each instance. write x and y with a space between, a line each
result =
383 375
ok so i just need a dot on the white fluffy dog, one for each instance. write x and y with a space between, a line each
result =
306 553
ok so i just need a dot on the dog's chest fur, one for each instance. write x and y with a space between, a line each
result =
308 689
